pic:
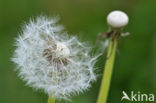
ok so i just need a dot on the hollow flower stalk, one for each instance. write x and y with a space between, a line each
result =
116 20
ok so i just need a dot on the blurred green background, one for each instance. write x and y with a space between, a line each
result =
135 66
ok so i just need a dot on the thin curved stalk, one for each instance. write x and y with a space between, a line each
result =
51 100
108 69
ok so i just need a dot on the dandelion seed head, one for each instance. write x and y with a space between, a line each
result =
117 19
48 59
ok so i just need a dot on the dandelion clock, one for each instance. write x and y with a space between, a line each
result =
48 59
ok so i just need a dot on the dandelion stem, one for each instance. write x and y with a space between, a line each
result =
106 80
51 100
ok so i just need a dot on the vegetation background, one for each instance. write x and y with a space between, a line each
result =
135 66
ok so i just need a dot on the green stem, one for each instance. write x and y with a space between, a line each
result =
104 89
51 100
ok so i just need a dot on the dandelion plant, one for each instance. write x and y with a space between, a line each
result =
48 59
116 20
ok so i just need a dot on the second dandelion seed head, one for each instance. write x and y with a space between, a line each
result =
117 19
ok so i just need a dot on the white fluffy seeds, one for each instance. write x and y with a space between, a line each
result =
50 60
117 19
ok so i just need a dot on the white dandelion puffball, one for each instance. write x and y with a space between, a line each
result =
117 19
49 59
